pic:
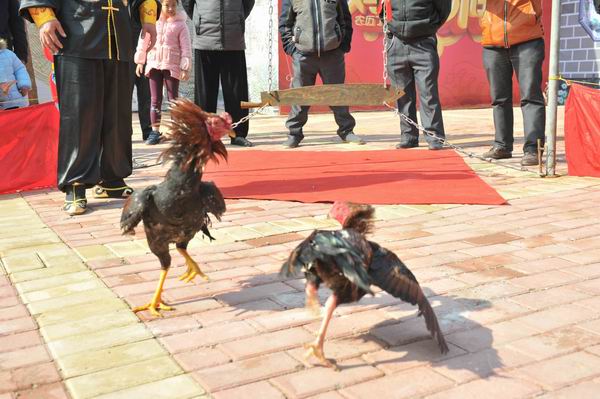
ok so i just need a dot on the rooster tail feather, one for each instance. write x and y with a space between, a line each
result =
361 219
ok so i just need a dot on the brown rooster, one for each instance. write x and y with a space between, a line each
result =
176 209
349 264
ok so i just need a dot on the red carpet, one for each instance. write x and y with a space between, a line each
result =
374 177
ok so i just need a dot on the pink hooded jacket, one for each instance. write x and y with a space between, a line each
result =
173 48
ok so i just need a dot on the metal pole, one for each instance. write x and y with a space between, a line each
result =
553 88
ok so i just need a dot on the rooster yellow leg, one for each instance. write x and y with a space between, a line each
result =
193 269
156 303
312 299
316 348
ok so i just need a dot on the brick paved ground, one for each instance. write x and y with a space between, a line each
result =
516 288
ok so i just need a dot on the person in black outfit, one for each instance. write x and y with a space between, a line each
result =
12 29
219 46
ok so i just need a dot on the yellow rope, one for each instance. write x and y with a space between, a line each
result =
570 81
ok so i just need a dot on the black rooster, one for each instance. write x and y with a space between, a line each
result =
176 209
349 264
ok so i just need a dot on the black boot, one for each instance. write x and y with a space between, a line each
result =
75 201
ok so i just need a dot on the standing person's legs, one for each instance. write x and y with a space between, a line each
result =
116 158
305 69
234 82
527 59
156 98
499 70
333 71
171 84
79 84
401 76
206 79
425 62
143 99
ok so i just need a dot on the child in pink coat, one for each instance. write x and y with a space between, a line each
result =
169 61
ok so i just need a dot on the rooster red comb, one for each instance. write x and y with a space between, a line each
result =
340 211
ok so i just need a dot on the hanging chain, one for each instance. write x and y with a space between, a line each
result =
249 116
455 147
270 40
385 46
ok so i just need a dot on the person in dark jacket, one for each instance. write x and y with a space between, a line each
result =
219 55
317 34
12 29
413 63
91 43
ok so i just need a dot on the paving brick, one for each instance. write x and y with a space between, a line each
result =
79 312
108 321
341 349
21 324
46 283
63 290
207 336
486 337
555 317
591 287
510 388
408 384
584 390
96 360
490 239
31 376
352 324
99 340
557 342
18 341
47 391
23 357
564 370
94 252
318 379
246 371
266 343
544 280
49 272
178 387
201 358
13 312
253 293
249 310
262 390
120 378
548 297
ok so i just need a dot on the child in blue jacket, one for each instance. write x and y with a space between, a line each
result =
14 80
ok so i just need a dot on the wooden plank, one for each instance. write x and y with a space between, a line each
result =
334 94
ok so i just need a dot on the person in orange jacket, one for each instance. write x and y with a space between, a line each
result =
513 40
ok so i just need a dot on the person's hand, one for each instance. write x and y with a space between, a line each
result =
184 75
24 91
149 29
139 70
49 35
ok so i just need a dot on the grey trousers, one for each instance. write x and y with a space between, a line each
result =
415 65
526 60
332 69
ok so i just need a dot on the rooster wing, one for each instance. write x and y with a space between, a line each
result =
134 208
389 273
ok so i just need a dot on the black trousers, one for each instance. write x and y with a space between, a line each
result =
143 99
332 69
526 60
415 66
94 143
228 67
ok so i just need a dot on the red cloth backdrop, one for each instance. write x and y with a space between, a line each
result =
582 131
28 148
462 78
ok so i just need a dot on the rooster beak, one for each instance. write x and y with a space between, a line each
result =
231 134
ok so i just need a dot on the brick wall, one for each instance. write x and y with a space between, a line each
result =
579 54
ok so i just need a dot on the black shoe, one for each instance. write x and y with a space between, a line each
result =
498 153
146 134
435 145
112 189
408 141
353 138
293 141
75 201
154 138
241 141
530 159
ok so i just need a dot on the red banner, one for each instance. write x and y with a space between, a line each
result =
28 148
462 78
582 131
